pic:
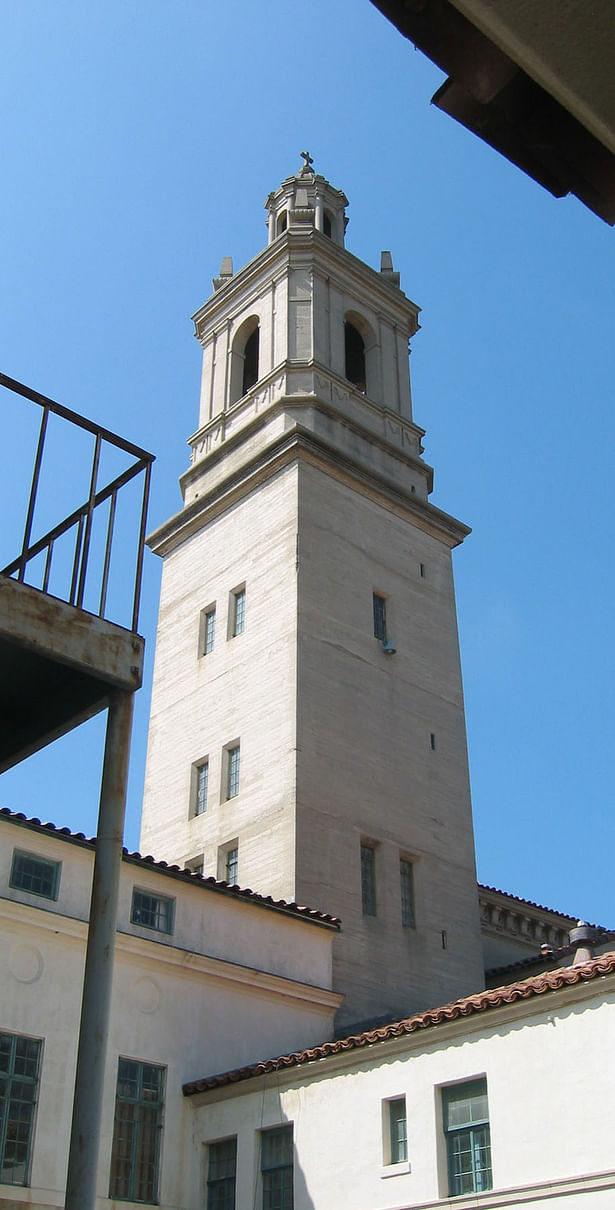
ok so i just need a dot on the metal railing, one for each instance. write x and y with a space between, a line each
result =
81 519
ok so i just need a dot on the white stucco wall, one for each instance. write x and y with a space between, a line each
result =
233 983
551 1090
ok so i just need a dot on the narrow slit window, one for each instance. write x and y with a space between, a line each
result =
406 880
202 788
233 763
232 865
209 631
380 617
238 611
368 880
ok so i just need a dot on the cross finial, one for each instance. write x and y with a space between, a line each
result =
305 155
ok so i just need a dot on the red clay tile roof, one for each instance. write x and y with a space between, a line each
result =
536 985
175 871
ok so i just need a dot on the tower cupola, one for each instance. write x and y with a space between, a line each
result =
307 200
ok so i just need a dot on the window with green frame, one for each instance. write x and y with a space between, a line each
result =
468 1146
152 911
35 875
221 1169
277 1168
137 1131
19 1071
398 1131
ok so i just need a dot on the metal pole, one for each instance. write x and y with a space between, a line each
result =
95 1007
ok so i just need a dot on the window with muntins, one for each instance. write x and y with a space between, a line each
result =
221 1170
468 1146
231 865
209 631
368 880
232 779
398 1131
406 886
277 1168
152 911
137 1131
35 875
238 612
202 786
380 617
19 1072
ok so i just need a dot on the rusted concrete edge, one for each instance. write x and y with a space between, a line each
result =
57 631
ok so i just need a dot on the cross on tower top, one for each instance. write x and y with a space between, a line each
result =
305 155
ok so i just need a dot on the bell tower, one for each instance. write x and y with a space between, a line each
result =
307 734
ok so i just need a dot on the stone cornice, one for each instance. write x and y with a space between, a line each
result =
306 246
504 915
281 452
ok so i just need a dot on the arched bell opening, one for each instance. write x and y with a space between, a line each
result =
361 355
244 359
354 345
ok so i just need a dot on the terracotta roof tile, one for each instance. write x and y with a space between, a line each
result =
175 871
525 989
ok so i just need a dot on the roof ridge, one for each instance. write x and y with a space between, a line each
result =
523 989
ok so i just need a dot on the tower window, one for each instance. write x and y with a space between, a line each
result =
406 886
380 617
232 865
326 225
201 787
282 222
368 880
207 630
232 757
228 862
250 362
355 357
238 611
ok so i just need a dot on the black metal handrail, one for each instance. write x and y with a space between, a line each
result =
82 517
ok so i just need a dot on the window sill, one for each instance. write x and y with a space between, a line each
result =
395 1169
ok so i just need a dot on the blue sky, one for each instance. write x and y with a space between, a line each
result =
139 142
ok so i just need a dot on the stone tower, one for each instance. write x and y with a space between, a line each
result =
307 734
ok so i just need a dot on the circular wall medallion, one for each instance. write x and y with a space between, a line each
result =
146 995
25 963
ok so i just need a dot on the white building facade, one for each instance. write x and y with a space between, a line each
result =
307 740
